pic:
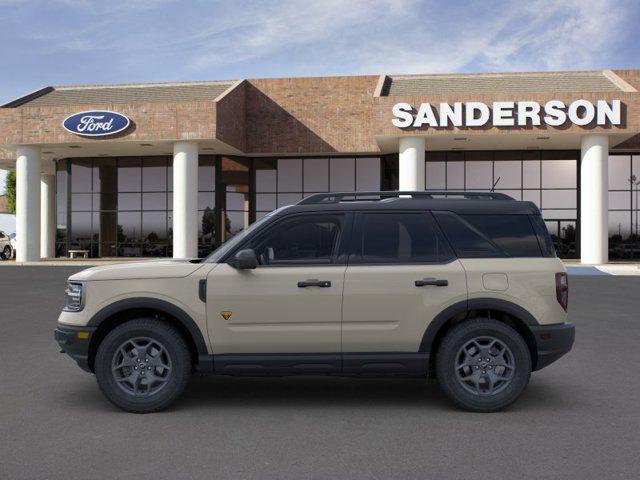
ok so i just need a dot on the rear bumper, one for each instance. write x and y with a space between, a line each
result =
552 342
74 345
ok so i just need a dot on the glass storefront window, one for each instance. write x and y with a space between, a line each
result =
81 175
289 175
547 178
559 173
119 206
285 181
436 176
624 201
129 174
342 174
316 175
507 174
479 175
367 174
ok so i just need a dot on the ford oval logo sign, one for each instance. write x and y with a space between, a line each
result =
96 123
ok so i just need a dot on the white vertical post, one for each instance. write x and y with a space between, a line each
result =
47 215
411 163
185 200
594 199
28 203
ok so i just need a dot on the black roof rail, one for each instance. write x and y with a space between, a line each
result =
335 197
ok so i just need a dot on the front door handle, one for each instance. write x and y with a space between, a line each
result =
431 281
314 283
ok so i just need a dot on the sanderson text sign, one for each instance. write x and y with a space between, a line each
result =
554 113
96 123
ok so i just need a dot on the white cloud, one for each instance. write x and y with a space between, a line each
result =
412 36
206 39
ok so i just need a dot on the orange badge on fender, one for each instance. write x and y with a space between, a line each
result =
225 314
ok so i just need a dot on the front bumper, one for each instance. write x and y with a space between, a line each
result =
74 341
552 342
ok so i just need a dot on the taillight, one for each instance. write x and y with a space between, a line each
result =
562 289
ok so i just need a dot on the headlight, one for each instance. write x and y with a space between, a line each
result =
74 297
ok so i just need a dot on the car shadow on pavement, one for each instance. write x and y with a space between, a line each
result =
312 392
335 392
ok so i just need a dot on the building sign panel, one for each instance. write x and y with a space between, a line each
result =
97 123
553 113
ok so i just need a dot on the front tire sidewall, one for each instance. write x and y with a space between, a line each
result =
179 375
456 339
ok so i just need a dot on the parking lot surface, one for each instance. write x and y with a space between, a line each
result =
578 419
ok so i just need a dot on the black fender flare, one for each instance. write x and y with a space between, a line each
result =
155 304
463 307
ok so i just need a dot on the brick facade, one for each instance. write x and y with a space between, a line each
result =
321 115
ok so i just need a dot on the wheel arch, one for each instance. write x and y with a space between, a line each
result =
121 311
504 311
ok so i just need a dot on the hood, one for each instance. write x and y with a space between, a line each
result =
138 270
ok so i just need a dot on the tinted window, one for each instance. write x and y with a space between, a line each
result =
544 239
310 239
466 240
512 233
400 238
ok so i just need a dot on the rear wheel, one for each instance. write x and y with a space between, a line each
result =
143 365
483 365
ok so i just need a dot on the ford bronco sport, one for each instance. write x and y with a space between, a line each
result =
462 286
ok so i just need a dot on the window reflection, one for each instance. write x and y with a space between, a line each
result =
110 214
546 178
624 200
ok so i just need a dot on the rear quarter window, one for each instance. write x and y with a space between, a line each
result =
491 235
514 234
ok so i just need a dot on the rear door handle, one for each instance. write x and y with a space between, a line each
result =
314 283
431 281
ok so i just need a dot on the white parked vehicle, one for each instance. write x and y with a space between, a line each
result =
7 248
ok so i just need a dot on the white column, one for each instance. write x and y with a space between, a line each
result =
411 175
28 203
594 199
47 215
185 200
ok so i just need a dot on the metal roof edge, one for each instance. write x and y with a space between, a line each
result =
28 97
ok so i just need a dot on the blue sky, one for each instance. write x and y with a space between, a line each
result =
65 42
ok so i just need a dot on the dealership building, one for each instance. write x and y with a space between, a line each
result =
175 169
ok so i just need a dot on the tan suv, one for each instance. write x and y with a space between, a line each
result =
462 286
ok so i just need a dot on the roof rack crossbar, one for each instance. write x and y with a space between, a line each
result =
335 197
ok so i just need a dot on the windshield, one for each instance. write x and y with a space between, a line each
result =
234 241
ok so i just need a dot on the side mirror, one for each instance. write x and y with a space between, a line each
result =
245 260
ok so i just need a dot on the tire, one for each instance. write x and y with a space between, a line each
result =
7 253
148 349
483 365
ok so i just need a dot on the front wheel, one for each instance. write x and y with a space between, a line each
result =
483 365
6 253
143 365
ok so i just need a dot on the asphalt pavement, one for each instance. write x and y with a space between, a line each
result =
578 419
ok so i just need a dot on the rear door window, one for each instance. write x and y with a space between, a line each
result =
467 241
400 238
